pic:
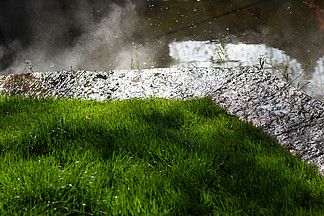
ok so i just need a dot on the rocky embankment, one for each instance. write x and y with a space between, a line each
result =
294 118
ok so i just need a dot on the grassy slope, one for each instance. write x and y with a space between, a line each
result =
145 157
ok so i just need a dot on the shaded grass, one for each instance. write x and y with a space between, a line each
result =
145 157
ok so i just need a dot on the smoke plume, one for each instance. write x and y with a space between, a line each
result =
60 34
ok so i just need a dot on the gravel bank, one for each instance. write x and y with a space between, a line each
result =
295 119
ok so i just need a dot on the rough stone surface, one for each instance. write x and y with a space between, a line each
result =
295 119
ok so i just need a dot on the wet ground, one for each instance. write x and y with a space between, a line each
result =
177 33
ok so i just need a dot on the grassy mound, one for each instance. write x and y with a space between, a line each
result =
145 157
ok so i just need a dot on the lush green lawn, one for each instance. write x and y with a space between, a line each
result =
145 157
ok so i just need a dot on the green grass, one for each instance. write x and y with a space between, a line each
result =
145 157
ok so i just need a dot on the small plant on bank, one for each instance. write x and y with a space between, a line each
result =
301 87
29 66
193 65
263 61
298 86
285 73
135 63
150 61
222 51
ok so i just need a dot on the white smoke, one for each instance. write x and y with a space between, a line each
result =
105 40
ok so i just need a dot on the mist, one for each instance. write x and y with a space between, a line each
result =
64 34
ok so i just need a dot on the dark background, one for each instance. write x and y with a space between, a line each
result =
104 34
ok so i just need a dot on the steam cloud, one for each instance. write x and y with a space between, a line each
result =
58 34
